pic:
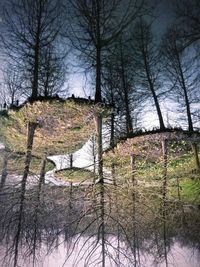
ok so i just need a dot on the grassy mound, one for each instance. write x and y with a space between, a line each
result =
76 175
16 164
62 126
148 167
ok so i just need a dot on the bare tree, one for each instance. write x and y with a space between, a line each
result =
181 70
188 21
109 92
148 65
12 85
4 171
118 76
95 25
52 71
29 28
126 74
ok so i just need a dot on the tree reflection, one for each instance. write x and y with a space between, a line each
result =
106 225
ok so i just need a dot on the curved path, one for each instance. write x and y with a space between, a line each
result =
83 159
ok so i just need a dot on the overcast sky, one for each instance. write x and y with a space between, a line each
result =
164 13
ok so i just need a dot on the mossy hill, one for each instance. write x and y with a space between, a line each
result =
62 126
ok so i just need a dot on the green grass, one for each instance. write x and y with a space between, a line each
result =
189 190
181 166
76 175
63 127
16 164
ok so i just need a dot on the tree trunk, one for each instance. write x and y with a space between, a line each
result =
42 172
31 130
165 163
178 188
129 124
4 170
164 195
70 196
112 130
102 225
94 153
134 209
99 147
34 94
113 174
133 170
71 160
183 85
98 76
37 210
188 111
159 113
196 156
98 57
155 98
152 89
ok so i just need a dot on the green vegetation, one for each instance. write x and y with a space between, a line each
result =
62 126
183 181
76 175
16 164
189 190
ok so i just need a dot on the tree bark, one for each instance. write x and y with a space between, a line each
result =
34 94
129 125
164 195
94 153
102 225
113 173
31 130
98 56
165 163
196 156
133 170
188 111
98 76
160 117
4 170
42 172
71 160
99 147
112 130
183 85
155 98
146 54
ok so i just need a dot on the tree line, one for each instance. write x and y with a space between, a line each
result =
129 66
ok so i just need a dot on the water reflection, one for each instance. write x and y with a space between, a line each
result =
100 225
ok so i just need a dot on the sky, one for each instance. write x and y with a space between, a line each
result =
78 84
164 13
165 16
